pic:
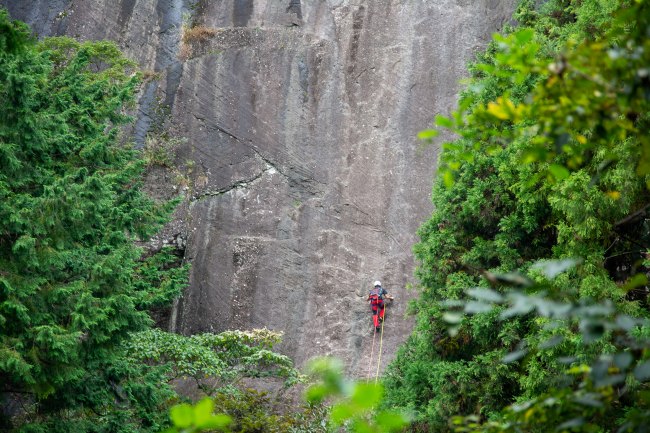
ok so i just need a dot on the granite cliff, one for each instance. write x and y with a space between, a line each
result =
291 127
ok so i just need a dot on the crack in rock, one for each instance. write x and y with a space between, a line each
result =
240 184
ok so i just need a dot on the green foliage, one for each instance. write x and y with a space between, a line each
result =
160 149
594 374
200 417
246 411
588 97
550 162
356 404
227 357
76 345
162 271
73 284
14 35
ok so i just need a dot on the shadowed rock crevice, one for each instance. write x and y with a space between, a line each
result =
241 12
357 27
126 11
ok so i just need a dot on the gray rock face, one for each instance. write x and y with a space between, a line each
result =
303 178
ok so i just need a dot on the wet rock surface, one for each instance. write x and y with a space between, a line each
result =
293 128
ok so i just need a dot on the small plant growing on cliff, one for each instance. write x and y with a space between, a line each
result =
193 33
160 149
149 75
198 33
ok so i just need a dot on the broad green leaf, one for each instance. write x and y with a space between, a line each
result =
599 370
642 371
342 412
182 415
517 309
643 166
610 380
444 122
219 421
475 307
362 426
498 110
448 178
391 420
572 423
553 268
592 330
317 393
485 294
579 369
452 303
512 279
452 318
427 134
589 399
524 36
637 280
560 142
367 395
625 322
546 308
514 356
552 342
203 411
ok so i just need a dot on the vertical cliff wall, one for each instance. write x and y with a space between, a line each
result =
294 126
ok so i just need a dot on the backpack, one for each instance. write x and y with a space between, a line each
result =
376 296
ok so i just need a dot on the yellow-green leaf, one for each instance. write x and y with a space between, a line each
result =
203 411
427 134
182 415
498 111
443 121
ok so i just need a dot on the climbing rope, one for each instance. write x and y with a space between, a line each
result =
372 354
381 341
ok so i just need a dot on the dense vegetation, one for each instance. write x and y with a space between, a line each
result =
73 285
77 348
552 162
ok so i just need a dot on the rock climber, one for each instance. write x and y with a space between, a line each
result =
376 298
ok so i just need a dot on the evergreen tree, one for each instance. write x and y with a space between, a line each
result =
552 162
73 284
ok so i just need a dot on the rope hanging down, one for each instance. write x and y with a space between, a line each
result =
372 354
381 340
381 343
